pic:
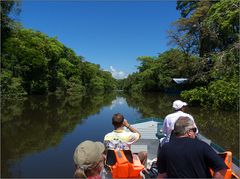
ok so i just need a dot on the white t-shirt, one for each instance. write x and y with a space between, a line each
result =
120 140
169 121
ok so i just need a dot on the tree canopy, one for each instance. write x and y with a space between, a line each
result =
206 37
207 54
33 63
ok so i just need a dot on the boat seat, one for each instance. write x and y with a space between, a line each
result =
123 164
111 157
227 157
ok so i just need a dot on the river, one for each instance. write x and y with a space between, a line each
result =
39 133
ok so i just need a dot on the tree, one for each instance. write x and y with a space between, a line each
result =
206 26
156 73
8 24
193 31
223 23
186 7
41 64
24 58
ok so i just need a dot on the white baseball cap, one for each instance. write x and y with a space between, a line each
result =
178 104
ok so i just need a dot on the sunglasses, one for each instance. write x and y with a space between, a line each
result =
194 129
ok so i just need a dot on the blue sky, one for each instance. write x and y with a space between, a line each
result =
109 33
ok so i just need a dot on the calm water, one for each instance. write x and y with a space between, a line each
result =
40 133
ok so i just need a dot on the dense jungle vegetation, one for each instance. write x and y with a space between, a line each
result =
206 40
33 63
207 53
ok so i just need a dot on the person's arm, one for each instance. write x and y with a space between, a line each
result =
164 127
220 173
162 175
132 129
214 162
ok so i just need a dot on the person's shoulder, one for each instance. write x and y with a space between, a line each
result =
189 115
108 135
170 115
185 114
201 143
165 145
204 147
130 133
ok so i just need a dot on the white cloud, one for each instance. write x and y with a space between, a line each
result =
117 74
112 69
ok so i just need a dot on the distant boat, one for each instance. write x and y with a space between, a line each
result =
180 80
151 132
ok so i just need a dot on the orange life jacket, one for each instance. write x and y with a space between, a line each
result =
227 157
124 164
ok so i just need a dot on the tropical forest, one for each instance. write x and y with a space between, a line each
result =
206 41
207 54
54 95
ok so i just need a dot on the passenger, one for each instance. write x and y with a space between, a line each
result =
185 157
89 160
169 121
120 139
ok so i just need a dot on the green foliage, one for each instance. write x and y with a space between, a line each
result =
38 87
196 95
190 33
216 81
45 65
213 81
220 94
206 26
207 35
186 7
61 81
223 90
226 63
109 82
34 63
65 67
223 22
216 77
11 85
156 73
74 85
7 23
96 84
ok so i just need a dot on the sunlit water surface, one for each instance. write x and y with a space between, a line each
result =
40 133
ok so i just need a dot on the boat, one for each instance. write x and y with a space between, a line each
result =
151 132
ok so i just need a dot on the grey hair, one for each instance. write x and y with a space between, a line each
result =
182 125
79 173
84 171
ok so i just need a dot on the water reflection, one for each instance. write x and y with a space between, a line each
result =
152 104
117 101
40 122
39 133
222 127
